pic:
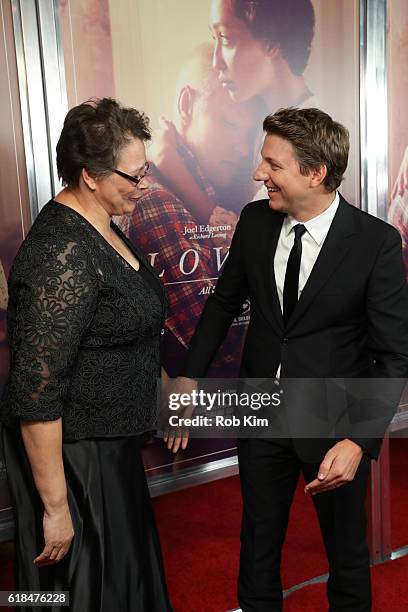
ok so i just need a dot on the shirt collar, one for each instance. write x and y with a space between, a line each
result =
318 226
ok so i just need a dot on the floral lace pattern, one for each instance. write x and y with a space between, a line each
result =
84 332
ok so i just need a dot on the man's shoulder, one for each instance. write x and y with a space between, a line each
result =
369 223
258 209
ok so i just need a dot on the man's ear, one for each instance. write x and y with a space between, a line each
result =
272 50
185 104
89 180
318 174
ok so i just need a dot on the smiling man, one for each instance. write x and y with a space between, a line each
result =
328 300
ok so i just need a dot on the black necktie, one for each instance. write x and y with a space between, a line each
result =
291 286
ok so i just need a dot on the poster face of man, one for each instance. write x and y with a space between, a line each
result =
218 132
216 129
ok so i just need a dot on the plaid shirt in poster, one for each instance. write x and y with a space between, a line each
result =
158 227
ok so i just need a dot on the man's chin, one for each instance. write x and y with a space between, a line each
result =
277 205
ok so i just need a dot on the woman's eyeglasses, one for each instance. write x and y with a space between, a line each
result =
135 179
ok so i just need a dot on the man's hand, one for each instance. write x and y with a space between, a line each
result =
58 534
177 438
337 468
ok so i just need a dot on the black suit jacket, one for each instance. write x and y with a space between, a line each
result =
351 319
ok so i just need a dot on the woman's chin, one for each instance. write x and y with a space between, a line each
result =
129 206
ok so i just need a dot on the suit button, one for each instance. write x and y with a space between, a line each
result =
285 340
162 331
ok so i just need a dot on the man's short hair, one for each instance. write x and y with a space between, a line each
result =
288 24
316 140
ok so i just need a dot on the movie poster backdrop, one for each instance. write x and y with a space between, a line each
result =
14 204
398 119
198 70
397 46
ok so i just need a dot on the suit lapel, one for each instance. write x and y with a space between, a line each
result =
270 273
335 247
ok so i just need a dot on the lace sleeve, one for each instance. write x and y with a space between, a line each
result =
52 300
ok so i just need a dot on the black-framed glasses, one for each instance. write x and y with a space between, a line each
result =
135 179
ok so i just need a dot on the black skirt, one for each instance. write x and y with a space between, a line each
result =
115 562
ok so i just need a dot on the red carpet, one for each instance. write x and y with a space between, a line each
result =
199 529
390 591
399 492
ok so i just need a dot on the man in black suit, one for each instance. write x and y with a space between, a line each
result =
328 300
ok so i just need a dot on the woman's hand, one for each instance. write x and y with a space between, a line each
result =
43 444
164 145
58 535
176 437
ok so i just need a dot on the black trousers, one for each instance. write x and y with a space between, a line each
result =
269 471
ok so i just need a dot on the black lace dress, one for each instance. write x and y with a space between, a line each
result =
84 334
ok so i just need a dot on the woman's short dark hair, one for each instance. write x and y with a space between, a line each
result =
316 140
286 23
93 136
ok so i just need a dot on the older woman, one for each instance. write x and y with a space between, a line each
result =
85 315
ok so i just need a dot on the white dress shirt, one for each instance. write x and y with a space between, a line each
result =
312 241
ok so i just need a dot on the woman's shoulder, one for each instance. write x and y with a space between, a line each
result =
55 239
56 219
